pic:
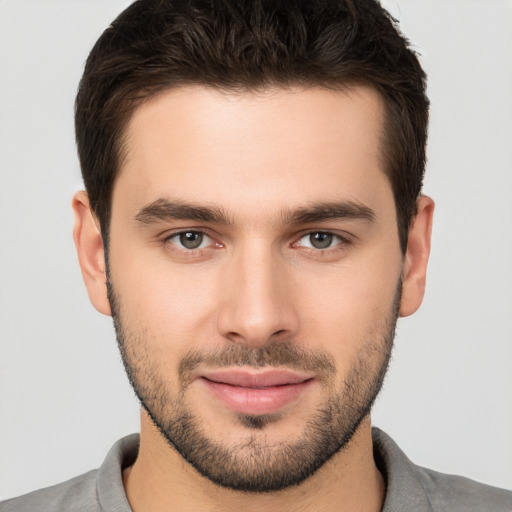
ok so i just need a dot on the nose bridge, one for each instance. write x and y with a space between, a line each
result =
256 306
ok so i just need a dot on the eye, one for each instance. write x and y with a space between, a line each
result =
320 240
190 240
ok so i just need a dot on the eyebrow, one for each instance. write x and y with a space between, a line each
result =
319 212
163 210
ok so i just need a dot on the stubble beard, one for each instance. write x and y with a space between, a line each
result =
255 465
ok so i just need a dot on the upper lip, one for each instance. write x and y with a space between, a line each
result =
257 378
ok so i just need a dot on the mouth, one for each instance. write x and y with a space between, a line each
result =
256 392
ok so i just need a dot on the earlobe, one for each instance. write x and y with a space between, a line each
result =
416 257
91 254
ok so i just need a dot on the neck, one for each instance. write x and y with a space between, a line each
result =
161 478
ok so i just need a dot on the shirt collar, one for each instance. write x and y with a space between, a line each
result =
404 491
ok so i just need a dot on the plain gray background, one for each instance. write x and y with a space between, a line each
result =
64 398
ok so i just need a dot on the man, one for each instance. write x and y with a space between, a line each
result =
254 224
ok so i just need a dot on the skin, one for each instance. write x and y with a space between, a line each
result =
256 280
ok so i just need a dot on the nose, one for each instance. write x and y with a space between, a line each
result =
256 306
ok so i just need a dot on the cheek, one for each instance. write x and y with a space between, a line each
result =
172 306
348 307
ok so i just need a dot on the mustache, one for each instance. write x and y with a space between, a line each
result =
284 353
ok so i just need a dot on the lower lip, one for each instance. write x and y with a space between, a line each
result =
257 401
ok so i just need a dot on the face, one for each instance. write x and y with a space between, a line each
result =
254 275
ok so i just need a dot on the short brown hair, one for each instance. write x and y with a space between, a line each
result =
244 45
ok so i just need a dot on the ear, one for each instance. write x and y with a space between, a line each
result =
91 254
416 257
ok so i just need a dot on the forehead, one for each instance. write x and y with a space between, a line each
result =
278 145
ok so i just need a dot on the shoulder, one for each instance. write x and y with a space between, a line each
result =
97 490
411 487
451 492
75 495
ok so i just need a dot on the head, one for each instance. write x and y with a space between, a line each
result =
253 221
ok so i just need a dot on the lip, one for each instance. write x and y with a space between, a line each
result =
256 379
256 392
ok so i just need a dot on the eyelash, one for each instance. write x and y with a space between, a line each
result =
342 242
194 251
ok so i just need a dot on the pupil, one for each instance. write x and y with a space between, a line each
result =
321 240
191 240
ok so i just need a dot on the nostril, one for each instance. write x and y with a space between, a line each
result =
234 336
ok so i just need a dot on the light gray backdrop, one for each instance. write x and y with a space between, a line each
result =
64 398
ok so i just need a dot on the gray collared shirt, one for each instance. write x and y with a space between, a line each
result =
410 488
